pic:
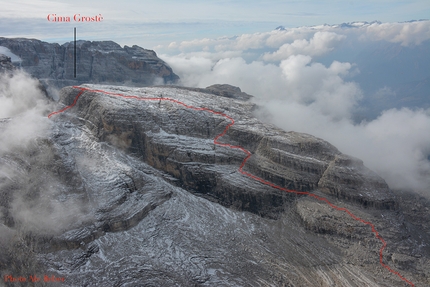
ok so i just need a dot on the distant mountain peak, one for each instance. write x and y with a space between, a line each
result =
355 24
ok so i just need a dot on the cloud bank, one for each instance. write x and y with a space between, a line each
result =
313 41
319 44
406 34
281 69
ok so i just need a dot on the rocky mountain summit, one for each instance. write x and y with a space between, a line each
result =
132 190
96 62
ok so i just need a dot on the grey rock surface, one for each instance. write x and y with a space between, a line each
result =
228 91
149 200
96 62
6 64
223 90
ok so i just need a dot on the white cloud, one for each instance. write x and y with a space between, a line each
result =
255 77
296 79
250 41
320 88
319 44
278 45
243 42
24 103
277 38
407 34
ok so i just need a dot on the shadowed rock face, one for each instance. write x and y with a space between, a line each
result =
130 170
97 62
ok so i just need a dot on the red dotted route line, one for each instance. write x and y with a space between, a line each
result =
248 155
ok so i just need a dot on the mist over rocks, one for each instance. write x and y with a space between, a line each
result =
97 62
25 195
8 69
142 184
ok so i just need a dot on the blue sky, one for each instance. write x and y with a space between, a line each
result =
151 23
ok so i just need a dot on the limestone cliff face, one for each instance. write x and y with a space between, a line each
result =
180 142
97 62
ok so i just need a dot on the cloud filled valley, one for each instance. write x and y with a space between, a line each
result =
361 86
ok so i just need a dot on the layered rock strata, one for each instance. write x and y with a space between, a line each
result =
180 142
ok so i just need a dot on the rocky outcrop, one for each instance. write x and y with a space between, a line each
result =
224 90
6 64
180 142
124 174
96 62
361 184
228 91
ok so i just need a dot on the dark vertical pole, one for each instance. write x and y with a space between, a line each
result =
74 63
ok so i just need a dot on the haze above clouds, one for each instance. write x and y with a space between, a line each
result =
157 22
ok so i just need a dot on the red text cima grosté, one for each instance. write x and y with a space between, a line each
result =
76 18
